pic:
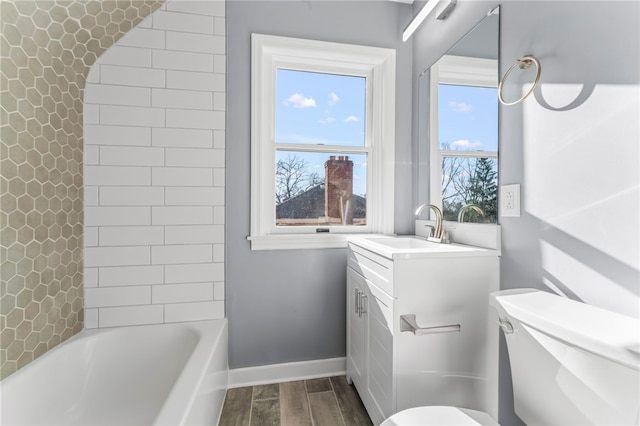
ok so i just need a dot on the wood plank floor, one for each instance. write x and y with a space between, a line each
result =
328 401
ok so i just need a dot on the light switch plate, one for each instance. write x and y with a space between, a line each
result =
510 200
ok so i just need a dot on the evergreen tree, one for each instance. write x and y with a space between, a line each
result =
483 191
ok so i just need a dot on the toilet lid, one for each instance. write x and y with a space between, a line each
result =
439 415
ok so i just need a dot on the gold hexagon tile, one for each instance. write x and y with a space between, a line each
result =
46 50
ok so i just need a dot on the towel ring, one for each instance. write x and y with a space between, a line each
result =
523 63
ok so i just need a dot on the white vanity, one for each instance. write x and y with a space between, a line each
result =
398 286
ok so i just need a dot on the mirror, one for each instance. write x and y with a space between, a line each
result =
458 128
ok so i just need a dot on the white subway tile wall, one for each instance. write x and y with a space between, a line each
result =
115 135
132 56
155 171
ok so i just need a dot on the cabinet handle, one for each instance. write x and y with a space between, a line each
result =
357 301
362 309
408 323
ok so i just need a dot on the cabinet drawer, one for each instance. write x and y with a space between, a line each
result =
374 268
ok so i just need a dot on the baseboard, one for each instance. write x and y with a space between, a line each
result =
287 372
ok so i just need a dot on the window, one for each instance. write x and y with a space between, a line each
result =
321 149
465 139
322 141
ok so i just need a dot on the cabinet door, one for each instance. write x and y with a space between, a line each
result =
355 328
380 372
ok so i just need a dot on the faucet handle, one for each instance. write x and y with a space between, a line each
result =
445 237
432 230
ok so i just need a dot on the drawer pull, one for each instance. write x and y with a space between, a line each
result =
408 323
360 300
363 301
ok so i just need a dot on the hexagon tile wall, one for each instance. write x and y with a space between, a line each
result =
46 50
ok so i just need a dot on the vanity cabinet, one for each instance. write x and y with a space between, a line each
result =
452 364
369 342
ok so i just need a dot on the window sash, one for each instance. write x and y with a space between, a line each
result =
309 219
471 154
336 149
365 106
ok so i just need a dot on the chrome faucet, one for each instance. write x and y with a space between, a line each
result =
464 209
437 231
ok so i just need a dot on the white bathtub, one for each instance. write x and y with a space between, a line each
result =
169 374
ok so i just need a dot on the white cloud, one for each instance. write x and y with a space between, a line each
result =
327 120
351 119
466 145
297 100
333 98
460 106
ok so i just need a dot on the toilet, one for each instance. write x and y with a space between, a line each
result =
571 363
439 415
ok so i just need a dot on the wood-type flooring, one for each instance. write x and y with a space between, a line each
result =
327 401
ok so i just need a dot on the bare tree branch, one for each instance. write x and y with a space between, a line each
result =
293 177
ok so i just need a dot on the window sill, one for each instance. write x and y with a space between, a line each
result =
300 241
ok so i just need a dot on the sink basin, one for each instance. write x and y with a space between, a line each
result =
410 246
407 243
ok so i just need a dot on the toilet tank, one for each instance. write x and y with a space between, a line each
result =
571 363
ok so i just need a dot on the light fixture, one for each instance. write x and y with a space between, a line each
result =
444 9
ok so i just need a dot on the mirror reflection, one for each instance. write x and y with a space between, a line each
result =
458 150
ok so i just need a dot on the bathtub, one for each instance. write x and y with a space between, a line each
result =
168 374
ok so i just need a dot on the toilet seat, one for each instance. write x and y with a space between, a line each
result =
440 416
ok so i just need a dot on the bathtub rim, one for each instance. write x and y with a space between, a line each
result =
183 394
177 405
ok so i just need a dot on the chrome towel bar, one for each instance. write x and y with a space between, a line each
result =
408 323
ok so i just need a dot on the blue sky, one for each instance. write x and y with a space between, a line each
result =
320 108
467 117
315 108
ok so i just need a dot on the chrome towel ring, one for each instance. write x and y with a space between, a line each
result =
522 63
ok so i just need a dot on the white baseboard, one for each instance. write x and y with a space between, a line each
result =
287 372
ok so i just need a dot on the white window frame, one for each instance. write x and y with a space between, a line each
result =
270 53
461 71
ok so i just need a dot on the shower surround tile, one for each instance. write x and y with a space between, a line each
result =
159 170
46 50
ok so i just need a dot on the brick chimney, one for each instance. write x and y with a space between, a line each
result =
338 192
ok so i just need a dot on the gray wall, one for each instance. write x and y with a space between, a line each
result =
573 147
287 306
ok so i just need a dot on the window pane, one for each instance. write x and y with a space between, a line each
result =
320 189
467 118
316 108
470 189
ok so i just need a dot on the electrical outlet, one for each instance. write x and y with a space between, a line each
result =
510 200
